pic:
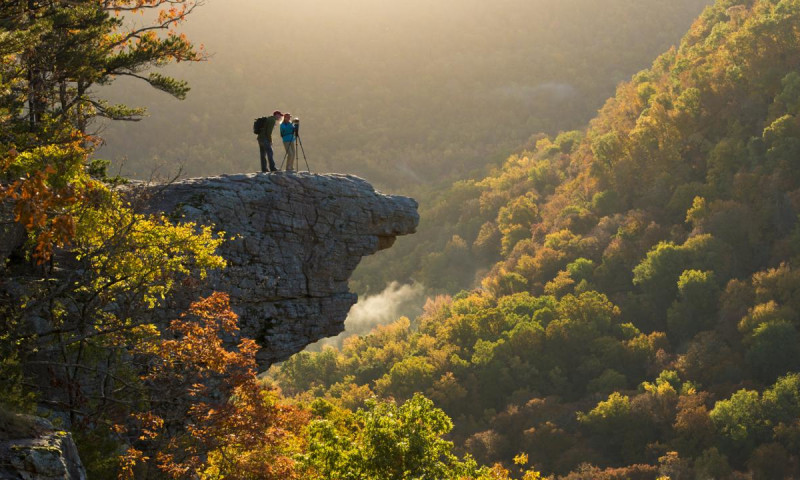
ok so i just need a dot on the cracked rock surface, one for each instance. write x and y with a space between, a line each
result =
294 241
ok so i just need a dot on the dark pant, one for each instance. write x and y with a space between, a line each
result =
265 149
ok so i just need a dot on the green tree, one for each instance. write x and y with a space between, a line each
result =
741 423
782 401
696 307
712 465
774 350
623 429
386 441
61 50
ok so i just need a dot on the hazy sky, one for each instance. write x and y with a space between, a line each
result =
396 91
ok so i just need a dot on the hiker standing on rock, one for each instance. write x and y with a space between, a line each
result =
263 127
287 134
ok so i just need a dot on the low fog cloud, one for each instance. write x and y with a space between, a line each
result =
395 301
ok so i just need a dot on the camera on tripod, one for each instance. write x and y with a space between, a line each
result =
298 142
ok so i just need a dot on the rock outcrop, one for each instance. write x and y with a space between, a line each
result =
294 241
31 449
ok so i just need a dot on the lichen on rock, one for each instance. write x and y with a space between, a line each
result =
32 449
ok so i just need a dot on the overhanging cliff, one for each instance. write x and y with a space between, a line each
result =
293 242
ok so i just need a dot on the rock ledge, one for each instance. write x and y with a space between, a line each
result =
294 241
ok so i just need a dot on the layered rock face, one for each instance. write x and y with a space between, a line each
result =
293 242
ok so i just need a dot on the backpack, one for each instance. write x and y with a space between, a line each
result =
258 125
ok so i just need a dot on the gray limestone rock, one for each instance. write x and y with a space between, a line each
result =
33 450
293 242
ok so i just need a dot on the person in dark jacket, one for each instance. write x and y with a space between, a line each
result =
265 142
287 135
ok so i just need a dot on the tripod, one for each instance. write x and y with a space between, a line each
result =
299 141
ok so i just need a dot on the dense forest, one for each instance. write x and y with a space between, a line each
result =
643 318
638 317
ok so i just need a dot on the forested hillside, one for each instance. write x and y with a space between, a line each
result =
643 318
401 93
639 320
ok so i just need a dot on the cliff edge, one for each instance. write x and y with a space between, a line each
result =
293 242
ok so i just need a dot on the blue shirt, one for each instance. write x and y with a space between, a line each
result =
287 132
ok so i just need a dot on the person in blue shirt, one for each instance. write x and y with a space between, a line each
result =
287 134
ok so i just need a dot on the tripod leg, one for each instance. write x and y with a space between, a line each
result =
284 159
304 152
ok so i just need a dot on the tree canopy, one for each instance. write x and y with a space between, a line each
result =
641 315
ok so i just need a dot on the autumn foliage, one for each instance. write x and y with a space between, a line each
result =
206 412
642 320
51 55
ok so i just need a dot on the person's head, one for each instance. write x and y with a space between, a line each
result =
277 114
287 117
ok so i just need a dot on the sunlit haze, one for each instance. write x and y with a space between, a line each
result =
401 93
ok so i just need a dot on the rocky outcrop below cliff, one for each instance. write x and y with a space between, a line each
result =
31 449
293 242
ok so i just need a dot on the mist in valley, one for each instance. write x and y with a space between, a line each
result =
394 301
